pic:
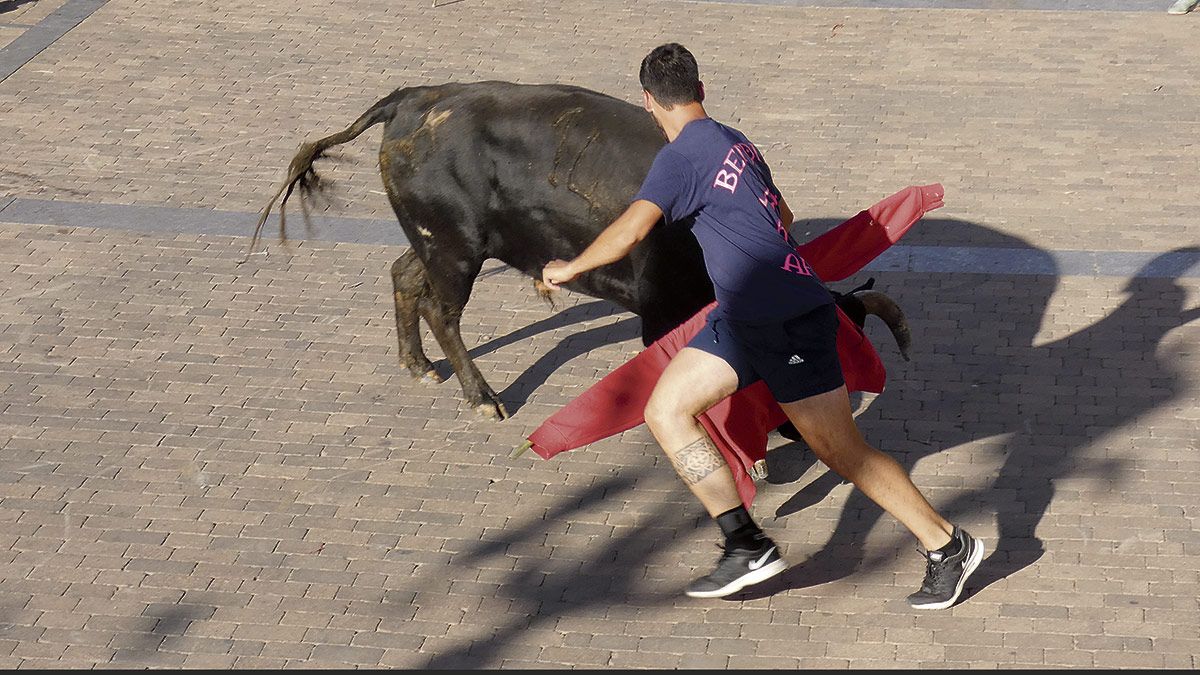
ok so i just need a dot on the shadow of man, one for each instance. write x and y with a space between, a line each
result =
981 378
543 591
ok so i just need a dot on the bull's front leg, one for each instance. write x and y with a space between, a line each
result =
444 322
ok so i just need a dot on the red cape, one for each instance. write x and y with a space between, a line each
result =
739 424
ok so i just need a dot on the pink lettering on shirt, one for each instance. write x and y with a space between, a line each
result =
769 199
739 155
748 152
797 265
727 180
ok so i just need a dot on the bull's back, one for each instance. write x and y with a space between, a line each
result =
529 173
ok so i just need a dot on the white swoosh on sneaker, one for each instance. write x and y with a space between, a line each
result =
755 564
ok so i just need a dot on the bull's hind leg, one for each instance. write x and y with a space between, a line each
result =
416 299
444 320
438 297
409 286
442 310
434 278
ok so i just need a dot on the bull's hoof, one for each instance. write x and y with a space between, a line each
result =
424 374
494 411
420 368
758 472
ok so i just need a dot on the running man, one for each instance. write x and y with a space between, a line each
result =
774 321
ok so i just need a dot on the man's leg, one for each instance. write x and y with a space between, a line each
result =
827 425
693 382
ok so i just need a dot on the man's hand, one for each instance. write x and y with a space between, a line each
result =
557 272
614 243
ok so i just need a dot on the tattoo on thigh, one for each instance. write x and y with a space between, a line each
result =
697 460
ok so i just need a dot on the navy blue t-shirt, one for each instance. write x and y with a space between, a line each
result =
714 179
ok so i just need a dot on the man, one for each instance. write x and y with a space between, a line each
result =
774 321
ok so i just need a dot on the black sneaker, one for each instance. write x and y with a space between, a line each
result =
739 568
946 574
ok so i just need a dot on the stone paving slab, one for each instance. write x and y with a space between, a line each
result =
7 35
28 13
53 20
207 464
212 464
1058 126
995 5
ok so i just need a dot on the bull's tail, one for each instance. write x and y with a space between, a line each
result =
301 172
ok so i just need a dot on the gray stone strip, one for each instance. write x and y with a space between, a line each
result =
36 38
171 220
999 5
1183 263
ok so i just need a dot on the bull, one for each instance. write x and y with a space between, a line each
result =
524 174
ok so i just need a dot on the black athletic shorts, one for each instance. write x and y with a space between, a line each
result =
797 357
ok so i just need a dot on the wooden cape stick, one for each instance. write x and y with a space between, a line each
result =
520 449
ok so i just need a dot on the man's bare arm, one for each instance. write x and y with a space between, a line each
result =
614 243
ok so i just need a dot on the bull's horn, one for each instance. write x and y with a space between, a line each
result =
879 304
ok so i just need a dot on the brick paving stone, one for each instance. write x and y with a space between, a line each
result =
206 464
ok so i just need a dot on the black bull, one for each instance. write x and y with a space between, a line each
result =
524 174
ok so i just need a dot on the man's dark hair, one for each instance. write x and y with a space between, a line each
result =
671 75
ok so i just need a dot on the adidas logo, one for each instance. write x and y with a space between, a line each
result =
795 360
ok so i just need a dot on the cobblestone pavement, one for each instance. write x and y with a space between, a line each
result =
207 464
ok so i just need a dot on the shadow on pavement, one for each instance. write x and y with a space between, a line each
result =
557 588
13 5
977 374
974 378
